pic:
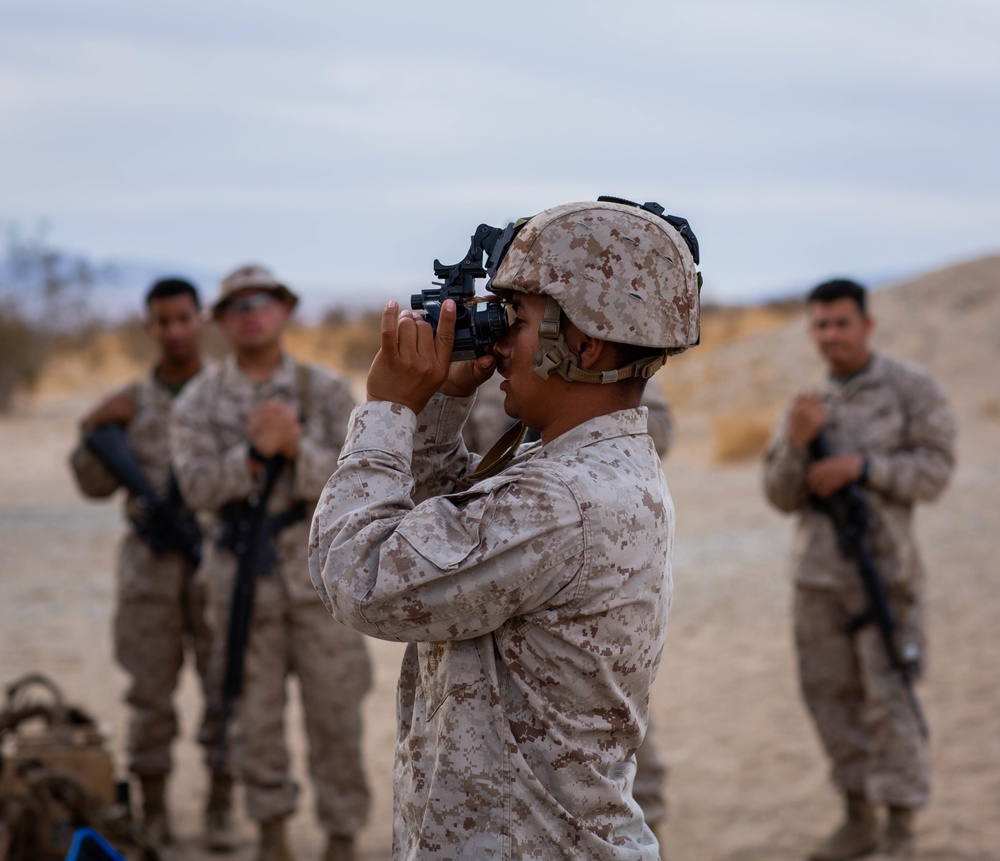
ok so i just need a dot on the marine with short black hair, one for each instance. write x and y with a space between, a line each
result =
160 602
892 432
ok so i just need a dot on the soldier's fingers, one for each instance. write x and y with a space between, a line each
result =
406 336
422 331
388 334
483 368
445 340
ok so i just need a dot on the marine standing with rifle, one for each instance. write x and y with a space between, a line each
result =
253 441
880 437
160 606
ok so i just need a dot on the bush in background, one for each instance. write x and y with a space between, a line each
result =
43 303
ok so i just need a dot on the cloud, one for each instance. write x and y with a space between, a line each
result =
311 132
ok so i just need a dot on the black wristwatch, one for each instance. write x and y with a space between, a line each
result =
256 455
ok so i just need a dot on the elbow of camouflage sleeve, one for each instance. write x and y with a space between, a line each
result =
907 480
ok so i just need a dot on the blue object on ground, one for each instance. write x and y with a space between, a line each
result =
88 845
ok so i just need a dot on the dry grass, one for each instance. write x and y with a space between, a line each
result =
723 324
741 434
348 345
990 408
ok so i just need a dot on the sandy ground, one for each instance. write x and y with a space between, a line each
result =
748 781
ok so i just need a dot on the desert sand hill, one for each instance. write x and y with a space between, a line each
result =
747 780
945 320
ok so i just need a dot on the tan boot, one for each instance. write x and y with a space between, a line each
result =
339 848
857 836
273 845
897 839
154 808
220 833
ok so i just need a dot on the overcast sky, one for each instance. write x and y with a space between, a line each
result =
347 145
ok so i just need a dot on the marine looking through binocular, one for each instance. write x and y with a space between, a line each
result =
477 324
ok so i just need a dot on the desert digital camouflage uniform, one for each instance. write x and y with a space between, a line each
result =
485 424
160 606
896 415
533 604
290 630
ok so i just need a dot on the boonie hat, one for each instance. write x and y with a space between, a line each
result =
252 276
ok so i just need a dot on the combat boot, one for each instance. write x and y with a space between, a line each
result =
857 836
154 808
220 833
339 848
897 839
273 844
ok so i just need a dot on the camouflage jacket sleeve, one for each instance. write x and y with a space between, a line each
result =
919 469
440 455
785 471
450 568
208 473
92 477
322 435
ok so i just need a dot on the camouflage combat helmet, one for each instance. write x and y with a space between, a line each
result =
619 271
251 277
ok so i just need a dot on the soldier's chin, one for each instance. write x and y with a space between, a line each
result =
179 352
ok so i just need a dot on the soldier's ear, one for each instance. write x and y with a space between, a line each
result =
589 350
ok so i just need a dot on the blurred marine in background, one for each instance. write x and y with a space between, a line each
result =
880 433
260 425
160 605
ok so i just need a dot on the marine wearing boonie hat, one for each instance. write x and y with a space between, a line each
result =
251 276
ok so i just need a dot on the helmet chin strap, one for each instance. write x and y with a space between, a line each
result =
554 356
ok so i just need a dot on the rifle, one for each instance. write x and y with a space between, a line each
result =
250 540
168 523
848 508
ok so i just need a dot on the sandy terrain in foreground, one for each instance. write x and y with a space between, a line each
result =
748 781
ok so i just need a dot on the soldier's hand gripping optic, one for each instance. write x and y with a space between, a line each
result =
852 462
253 441
532 586
160 604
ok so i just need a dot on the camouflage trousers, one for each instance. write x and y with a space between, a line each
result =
650 779
160 616
857 700
334 672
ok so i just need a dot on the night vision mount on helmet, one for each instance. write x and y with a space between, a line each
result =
620 271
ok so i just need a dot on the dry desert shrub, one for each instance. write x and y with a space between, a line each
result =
990 408
741 434
348 345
